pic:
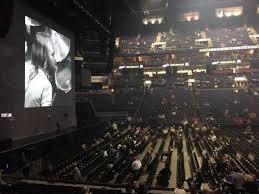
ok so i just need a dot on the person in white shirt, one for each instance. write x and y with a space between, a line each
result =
115 126
38 92
136 164
165 131
105 154
213 138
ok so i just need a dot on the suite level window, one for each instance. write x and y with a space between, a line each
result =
229 12
189 16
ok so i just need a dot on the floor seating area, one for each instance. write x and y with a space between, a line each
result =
184 151
233 107
167 104
165 140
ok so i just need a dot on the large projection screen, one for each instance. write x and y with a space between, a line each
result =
47 65
36 80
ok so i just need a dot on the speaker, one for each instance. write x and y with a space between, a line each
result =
6 13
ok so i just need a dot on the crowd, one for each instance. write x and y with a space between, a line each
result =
140 153
229 37
116 158
186 40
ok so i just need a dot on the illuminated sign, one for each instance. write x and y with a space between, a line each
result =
225 62
229 48
254 36
6 115
175 65
199 70
131 67
98 79
189 16
79 58
240 79
202 40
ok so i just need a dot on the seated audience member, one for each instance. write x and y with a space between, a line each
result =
49 170
1 180
78 177
83 146
25 166
142 188
149 159
167 153
85 190
179 189
250 185
136 164
105 154
129 189
238 181
114 126
205 166
164 176
227 182
195 184
109 176
96 142
107 135
213 138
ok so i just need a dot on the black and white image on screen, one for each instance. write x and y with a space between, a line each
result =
47 65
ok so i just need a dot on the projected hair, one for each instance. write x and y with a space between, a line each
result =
39 54
40 57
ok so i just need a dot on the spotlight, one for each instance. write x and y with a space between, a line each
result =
153 21
220 14
228 14
145 21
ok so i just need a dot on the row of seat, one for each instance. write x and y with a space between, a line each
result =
180 177
154 165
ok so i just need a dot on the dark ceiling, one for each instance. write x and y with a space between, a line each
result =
68 14
123 13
